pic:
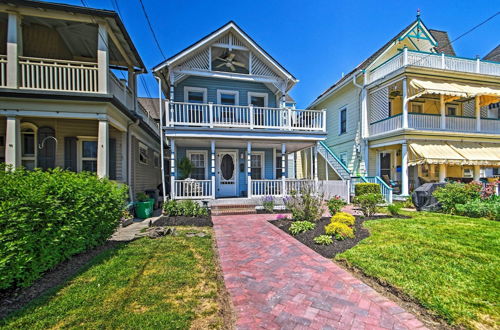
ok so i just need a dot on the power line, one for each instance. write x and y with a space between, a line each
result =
151 29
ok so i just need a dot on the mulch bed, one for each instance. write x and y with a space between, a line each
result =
328 251
183 221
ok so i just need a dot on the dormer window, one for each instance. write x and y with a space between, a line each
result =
229 60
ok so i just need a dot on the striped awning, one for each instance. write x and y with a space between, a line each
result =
454 153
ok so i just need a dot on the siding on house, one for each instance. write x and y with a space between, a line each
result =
144 176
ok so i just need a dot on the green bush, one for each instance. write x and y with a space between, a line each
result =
268 204
456 193
394 209
142 197
336 204
48 216
344 217
298 227
368 203
323 240
366 188
340 230
187 208
480 208
306 205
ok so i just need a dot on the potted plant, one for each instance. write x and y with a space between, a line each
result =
143 205
185 168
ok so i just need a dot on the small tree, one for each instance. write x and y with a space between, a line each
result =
306 205
368 203
185 168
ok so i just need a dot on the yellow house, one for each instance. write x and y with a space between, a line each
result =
68 94
414 112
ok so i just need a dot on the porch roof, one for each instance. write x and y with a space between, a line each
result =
454 153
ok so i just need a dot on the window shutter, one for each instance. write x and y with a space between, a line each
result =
112 159
70 153
47 155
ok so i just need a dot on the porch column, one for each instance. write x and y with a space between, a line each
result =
172 169
103 149
13 142
316 163
102 58
249 169
477 109
477 172
442 110
14 49
283 168
404 169
405 104
442 172
212 166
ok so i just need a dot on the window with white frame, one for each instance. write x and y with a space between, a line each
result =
88 155
156 159
195 94
258 99
417 108
451 110
199 161
279 170
343 121
28 145
227 97
143 154
257 165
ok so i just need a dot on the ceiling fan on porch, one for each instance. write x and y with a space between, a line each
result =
229 62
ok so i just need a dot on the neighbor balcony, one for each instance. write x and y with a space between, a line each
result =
181 114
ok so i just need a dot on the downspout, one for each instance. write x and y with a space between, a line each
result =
161 142
363 146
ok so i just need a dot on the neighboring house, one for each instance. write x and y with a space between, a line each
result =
68 94
493 56
414 112
228 112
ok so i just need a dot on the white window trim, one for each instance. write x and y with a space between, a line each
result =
188 89
417 104
205 154
79 149
264 95
262 162
230 92
340 121
35 141
143 146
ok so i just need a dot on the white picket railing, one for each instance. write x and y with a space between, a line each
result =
120 90
387 67
192 189
297 185
386 125
267 188
58 75
218 115
3 70
490 125
423 121
461 124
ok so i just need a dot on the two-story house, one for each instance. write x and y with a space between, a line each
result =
414 112
229 117
68 94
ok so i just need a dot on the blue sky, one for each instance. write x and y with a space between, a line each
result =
315 40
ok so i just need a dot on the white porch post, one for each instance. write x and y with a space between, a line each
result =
172 169
316 164
283 168
404 169
405 104
249 169
212 166
102 58
442 110
13 142
442 172
103 149
14 49
477 109
477 172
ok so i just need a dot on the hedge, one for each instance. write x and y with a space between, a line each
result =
366 188
46 217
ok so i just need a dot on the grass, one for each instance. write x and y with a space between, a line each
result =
167 283
449 264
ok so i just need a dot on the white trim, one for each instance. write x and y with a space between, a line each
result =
79 150
188 89
140 146
227 75
230 92
262 163
236 167
190 152
340 120
274 163
392 152
257 94
34 128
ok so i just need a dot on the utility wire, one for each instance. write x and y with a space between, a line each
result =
151 29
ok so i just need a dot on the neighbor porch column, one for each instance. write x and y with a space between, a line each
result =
477 109
249 169
103 149
404 169
283 168
442 110
477 172
316 163
172 169
405 104
14 49
212 166
442 172
102 58
13 142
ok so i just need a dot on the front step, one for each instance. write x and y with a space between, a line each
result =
233 209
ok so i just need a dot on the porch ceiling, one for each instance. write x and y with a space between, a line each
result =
239 144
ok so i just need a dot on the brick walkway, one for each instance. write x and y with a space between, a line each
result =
276 282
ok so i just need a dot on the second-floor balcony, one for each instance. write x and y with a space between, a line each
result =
182 114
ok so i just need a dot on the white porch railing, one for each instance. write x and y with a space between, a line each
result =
490 125
423 121
120 90
461 124
58 75
386 125
267 188
217 115
3 70
192 189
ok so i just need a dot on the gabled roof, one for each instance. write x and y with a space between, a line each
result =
494 55
444 44
213 36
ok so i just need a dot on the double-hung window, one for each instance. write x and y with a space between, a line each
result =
279 170
199 161
28 145
343 121
257 165
143 154
89 155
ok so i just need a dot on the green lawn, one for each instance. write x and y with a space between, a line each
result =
167 283
450 264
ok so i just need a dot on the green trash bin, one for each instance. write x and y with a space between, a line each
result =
144 210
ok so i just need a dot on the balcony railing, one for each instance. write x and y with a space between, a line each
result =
433 122
408 57
250 117
120 90
3 70
192 189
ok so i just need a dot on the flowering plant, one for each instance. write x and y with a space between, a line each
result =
268 203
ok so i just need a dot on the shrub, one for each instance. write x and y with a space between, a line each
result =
305 205
394 209
456 193
298 227
366 188
408 203
187 208
479 208
268 203
343 217
185 168
323 240
340 230
48 216
368 203
336 204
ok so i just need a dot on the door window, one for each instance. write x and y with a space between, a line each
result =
385 164
198 160
227 167
28 146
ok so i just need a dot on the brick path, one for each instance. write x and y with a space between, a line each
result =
276 282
